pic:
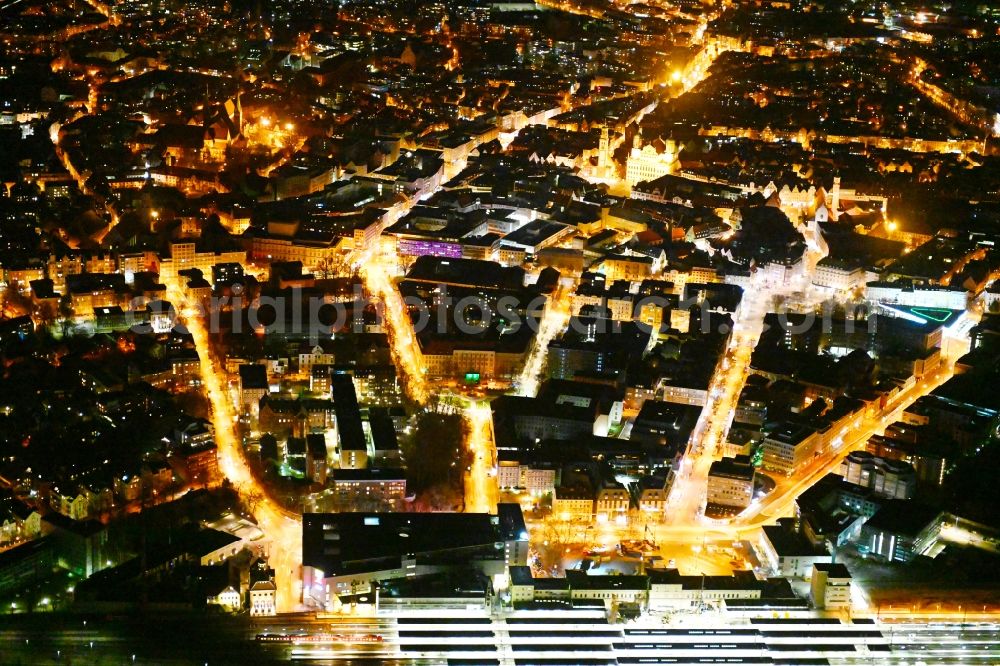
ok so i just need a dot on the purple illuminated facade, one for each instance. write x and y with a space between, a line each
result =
412 247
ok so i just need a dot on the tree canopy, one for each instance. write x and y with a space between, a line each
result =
435 451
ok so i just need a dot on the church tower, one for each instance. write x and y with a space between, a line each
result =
238 120
835 198
603 156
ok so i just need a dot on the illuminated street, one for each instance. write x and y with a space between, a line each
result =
780 501
687 495
480 486
406 351
554 320
556 333
282 529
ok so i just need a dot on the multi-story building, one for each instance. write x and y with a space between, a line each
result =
730 484
658 589
664 425
789 553
344 553
900 530
633 268
670 590
929 461
653 492
314 356
563 410
253 387
570 503
508 474
839 275
751 408
612 502
353 443
63 264
536 479
514 533
262 598
831 586
382 485
651 161
788 448
894 479
904 293
20 521
472 360
185 255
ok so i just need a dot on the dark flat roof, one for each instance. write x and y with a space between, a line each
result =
512 521
731 469
383 431
904 517
345 404
253 377
788 543
339 543
581 581
833 569
370 474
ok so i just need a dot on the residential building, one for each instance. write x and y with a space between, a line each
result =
185 255
653 492
612 502
228 597
569 503
253 387
382 485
